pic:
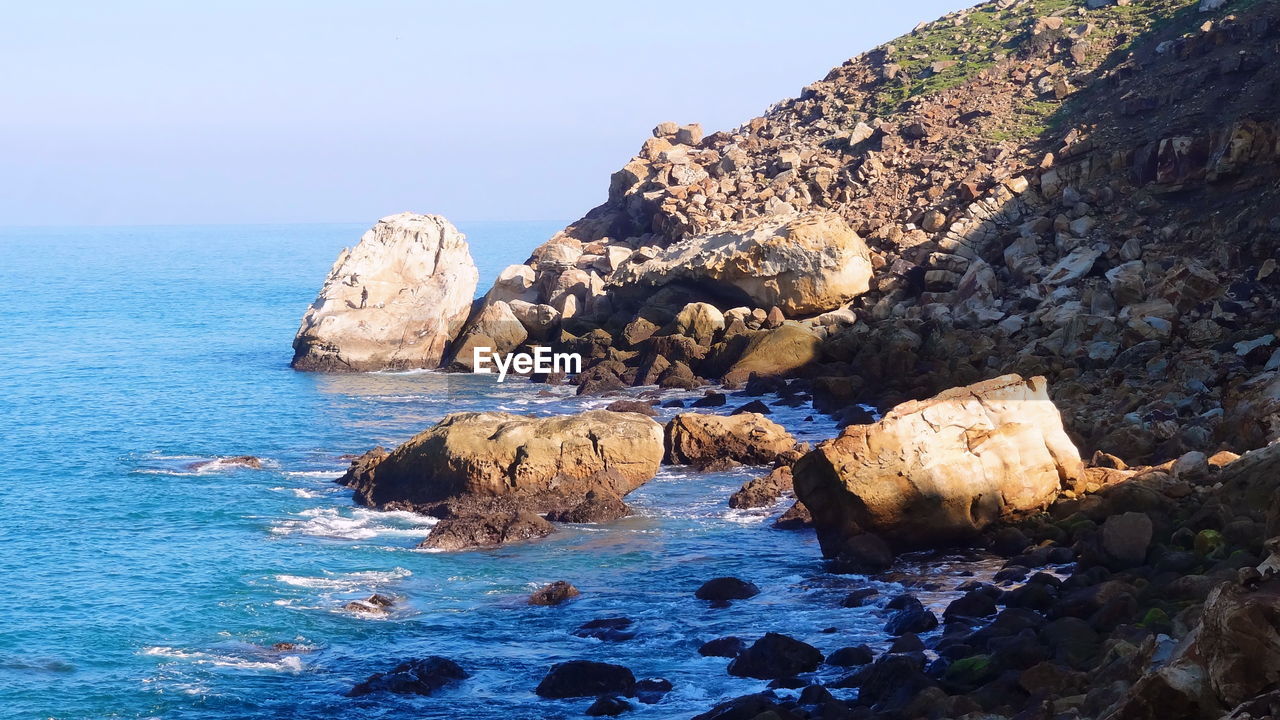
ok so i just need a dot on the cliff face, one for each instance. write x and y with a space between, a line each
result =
1047 188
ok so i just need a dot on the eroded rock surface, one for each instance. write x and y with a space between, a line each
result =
392 302
937 471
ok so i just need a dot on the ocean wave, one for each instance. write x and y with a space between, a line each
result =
359 524
284 663
321 474
346 581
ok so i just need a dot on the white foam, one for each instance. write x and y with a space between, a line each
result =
355 524
322 474
286 663
346 581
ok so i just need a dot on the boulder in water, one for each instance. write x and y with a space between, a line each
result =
392 302
414 677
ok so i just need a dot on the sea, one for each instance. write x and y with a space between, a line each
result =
145 577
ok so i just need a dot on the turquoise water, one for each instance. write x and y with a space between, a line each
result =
139 584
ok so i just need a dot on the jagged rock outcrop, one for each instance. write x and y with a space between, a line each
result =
937 471
492 462
392 302
805 265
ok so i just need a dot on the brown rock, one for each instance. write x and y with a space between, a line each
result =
751 439
554 594
763 491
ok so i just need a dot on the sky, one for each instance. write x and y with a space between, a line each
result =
174 112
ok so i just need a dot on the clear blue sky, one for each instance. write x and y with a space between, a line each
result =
170 111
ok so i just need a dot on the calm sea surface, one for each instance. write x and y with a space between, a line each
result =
139 584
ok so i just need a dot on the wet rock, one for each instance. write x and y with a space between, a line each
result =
585 678
775 656
763 491
711 399
859 597
863 554
729 647
700 440
851 656
477 530
615 629
414 677
599 506
608 706
375 604
755 406
974 604
470 462
913 618
937 471
556 593
796 517
650 691
632 406
722 590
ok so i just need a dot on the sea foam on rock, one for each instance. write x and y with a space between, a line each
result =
937 471
393 302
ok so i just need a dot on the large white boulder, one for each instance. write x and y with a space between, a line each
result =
804 264
392 302
937 471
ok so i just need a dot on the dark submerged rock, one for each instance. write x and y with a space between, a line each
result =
585 678
415 677
722 590
775 656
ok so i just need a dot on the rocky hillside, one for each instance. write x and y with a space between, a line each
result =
1079 189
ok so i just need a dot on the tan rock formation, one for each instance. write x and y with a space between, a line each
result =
939 470
805 265
540 464
392 302
711 440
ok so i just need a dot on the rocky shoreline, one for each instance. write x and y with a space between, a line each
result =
1039 236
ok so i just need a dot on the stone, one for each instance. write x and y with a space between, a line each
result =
938 471
541 464
607 706
1074 266
556 593
497 328
632 406
481 530
414 677
805 264
515 282
393 302
539 320
700 321
729 647
774 353
599 506
585 678
748 438
763 491
1126 537
864 553
616 629
851 656
726 589
775 656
